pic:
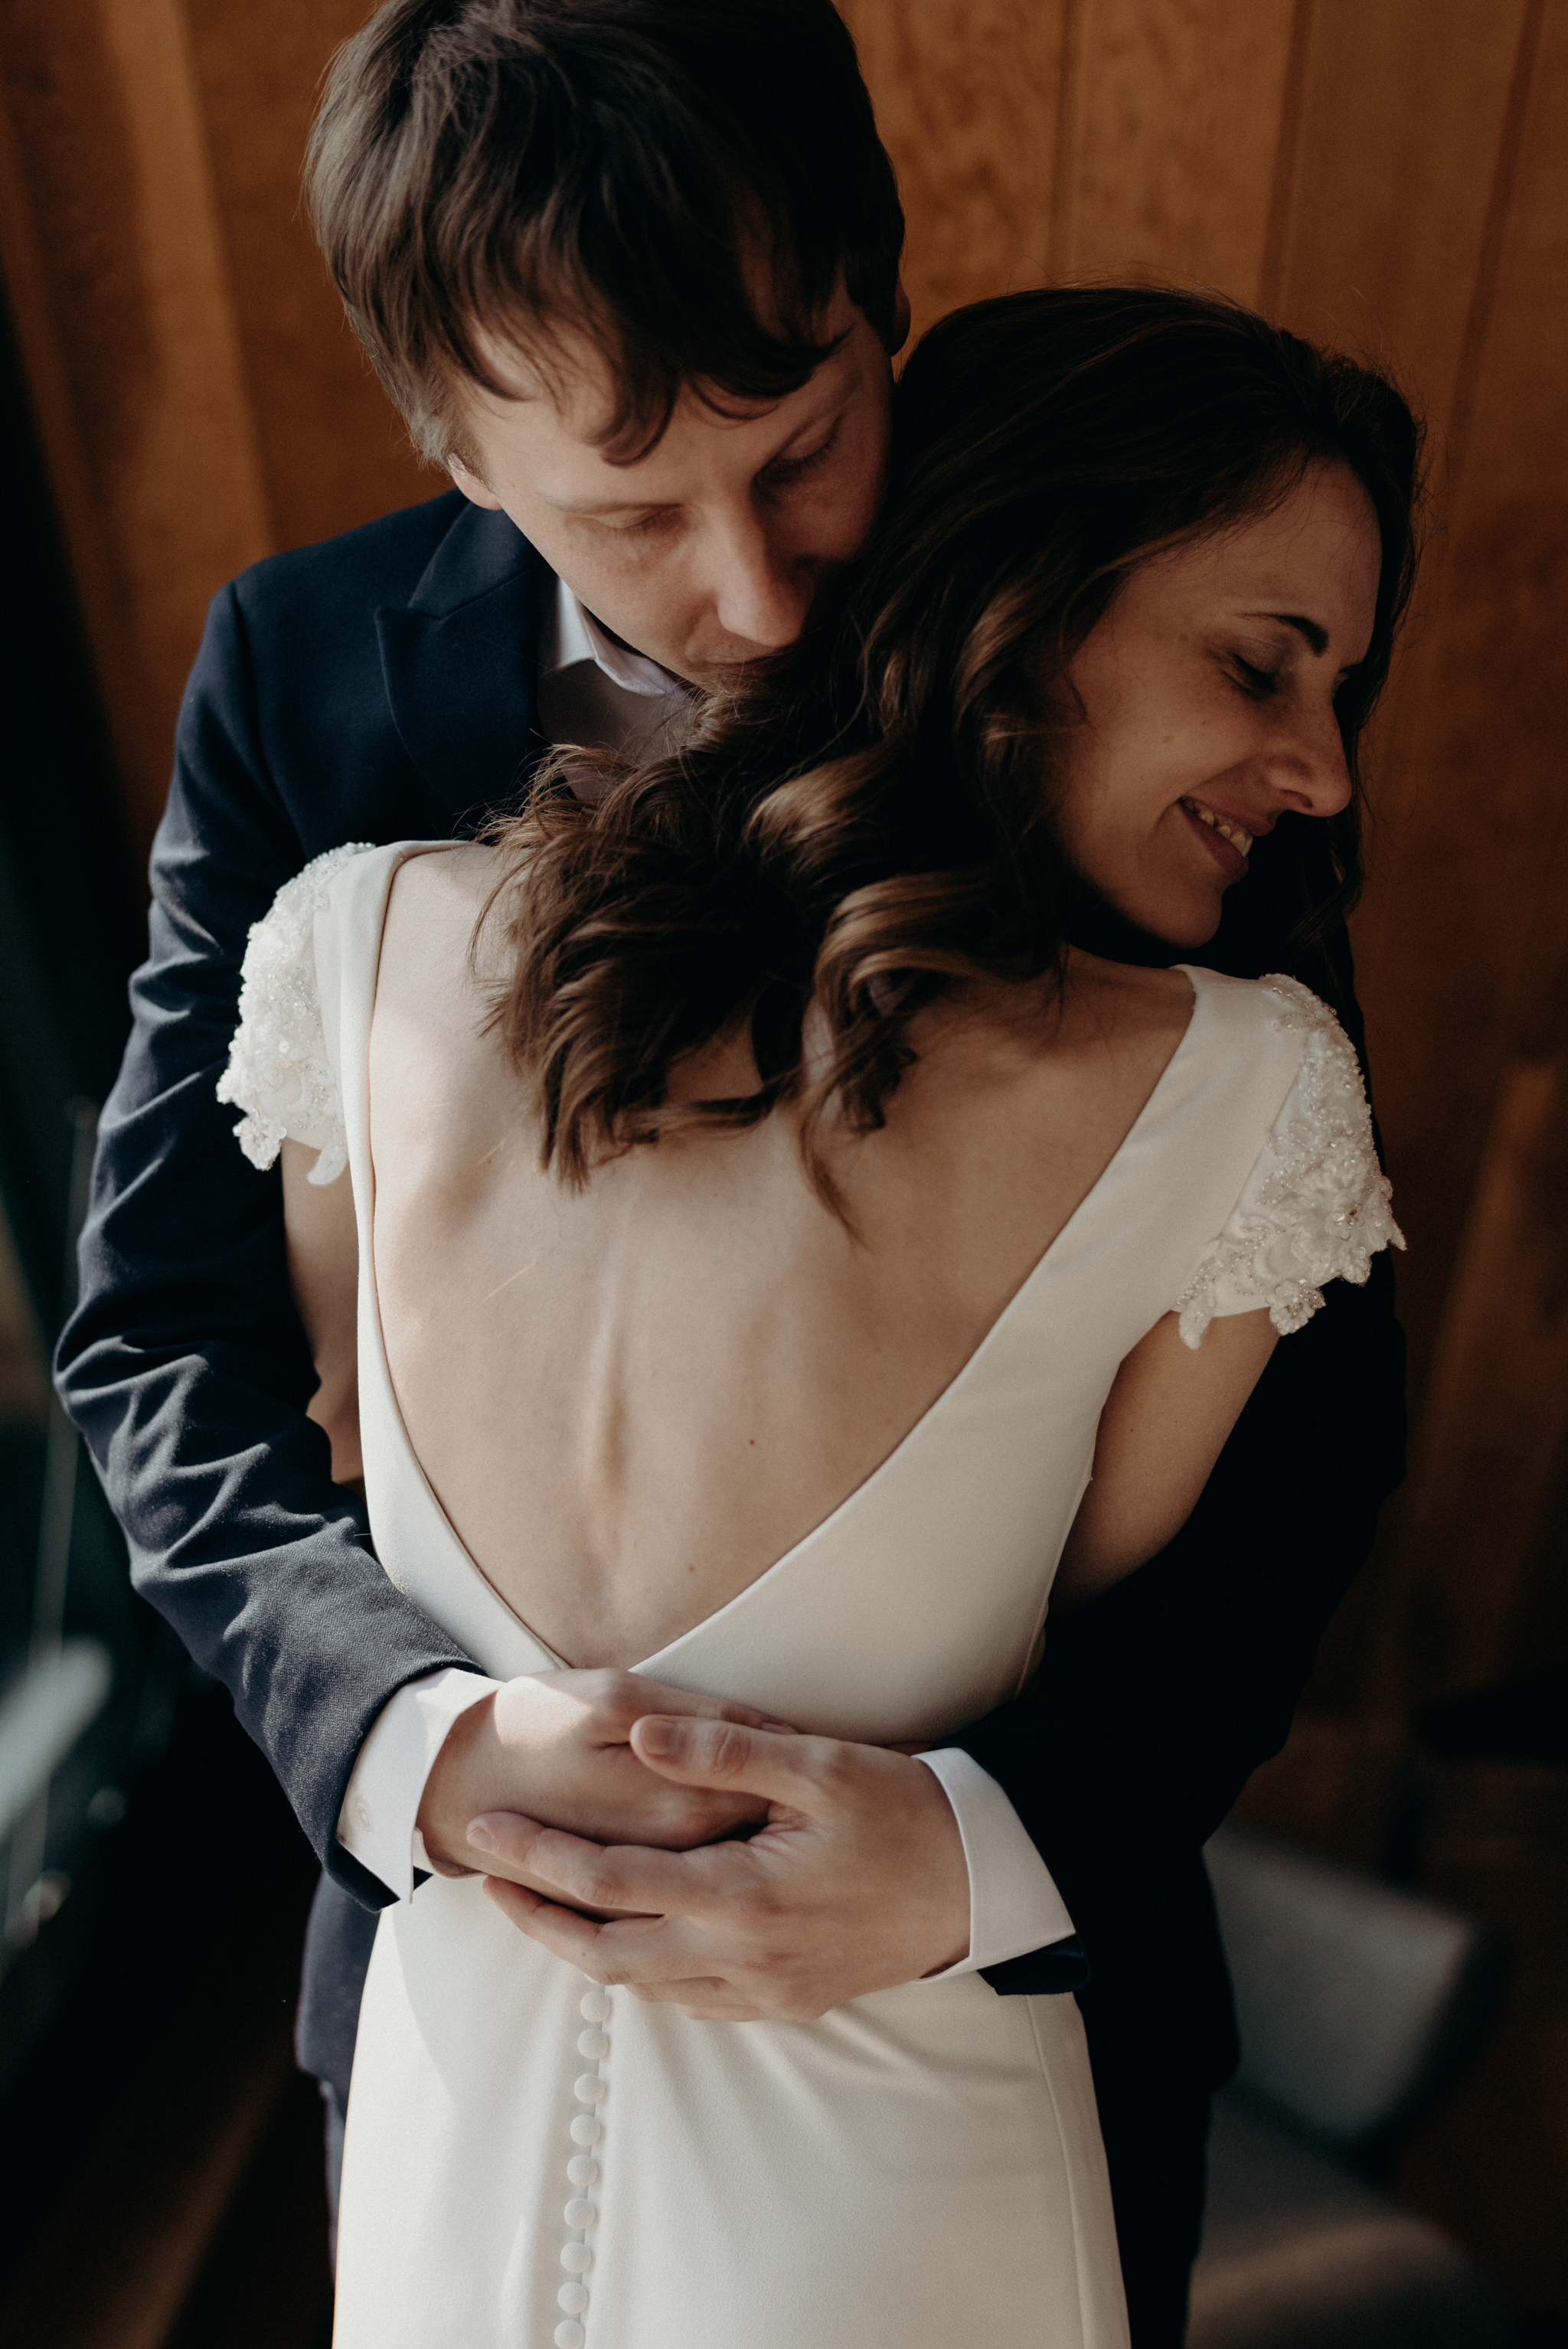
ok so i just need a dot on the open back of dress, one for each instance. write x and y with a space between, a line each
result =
922 2167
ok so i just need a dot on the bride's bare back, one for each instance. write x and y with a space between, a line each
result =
633 1399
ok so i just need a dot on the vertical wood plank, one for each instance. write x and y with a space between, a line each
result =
1383 215
335 451
1497 1409
1479 1565
1387 241
1171 130
192 507
131 711
1470 985
967 95
1466 868
112 147
1415 198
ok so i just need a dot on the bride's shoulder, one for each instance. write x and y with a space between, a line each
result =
1315 1206
449 873
1277 998
436 900
329 881
1161 1002
1276 1010
1152 1003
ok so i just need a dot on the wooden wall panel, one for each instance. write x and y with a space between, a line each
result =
1077 138
1389 222
132 274
129 707
1478 1580
334 449
968 97
1483 741
1384 201
1489 1470
1170 127
201 400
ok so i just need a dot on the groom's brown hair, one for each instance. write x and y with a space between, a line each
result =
688 181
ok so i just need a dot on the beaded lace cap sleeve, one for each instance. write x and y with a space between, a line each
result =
1315 1206
278 1071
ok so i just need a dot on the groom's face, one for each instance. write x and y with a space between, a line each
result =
708 552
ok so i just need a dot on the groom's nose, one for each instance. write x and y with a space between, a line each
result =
761 585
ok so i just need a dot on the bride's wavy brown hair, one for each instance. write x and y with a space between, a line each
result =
874 826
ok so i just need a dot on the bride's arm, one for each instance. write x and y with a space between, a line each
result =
324 1274
1165 1423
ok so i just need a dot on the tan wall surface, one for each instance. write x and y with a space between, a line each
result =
202 401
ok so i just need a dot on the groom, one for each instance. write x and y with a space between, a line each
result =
629 268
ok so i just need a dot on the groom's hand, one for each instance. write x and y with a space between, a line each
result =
558 1744
856 1881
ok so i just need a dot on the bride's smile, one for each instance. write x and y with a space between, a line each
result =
1230 830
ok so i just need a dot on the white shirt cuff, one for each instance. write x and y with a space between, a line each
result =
377 1824
1013 1904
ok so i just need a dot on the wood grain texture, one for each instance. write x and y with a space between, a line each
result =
1485 1495
130 709
1383 212
1389 227
334 448
968 95
1450 971
1430 324
1171 127
1477 1571
1465 960
114 166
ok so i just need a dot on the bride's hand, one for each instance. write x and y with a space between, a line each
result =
858 1881
557 1745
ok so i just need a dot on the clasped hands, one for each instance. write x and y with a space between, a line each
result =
691 1850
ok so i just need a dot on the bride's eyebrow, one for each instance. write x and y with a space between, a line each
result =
1308 630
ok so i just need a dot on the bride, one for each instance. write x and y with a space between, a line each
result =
788 1262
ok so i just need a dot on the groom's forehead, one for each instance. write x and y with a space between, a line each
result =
558 407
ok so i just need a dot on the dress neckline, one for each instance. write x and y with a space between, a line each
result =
936 1408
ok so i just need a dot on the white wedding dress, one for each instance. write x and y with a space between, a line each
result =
531 2160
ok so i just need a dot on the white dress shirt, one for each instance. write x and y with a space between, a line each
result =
593 690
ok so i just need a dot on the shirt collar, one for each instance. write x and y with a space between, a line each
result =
574 635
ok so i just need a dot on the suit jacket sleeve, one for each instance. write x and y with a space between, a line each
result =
185 1365
1156 1703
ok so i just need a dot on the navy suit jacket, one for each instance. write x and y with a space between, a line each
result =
379 688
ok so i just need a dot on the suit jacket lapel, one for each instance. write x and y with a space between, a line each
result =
459 662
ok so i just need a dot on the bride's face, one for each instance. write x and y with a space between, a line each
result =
1207 691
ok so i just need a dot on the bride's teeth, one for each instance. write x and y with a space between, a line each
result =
1227 830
